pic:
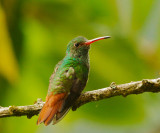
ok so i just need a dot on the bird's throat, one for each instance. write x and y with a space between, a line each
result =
84 59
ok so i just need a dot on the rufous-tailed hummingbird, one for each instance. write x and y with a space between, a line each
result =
67 81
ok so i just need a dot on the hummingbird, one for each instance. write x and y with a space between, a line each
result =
67 81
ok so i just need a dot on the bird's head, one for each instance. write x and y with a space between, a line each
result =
79 46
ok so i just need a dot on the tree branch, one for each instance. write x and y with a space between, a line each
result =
146 85
29 110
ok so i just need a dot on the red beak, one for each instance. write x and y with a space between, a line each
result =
96 39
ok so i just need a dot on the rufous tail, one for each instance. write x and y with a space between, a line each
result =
52 108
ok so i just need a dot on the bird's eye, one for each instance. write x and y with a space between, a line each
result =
76 44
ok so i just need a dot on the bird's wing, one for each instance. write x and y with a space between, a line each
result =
68 102
55 107
78 83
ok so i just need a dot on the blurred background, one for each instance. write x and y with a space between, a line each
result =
33 38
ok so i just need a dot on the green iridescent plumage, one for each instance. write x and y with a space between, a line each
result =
67 81
74 66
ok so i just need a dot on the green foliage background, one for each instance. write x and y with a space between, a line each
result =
33 38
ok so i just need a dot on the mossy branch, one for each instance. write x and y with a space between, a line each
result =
146 85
